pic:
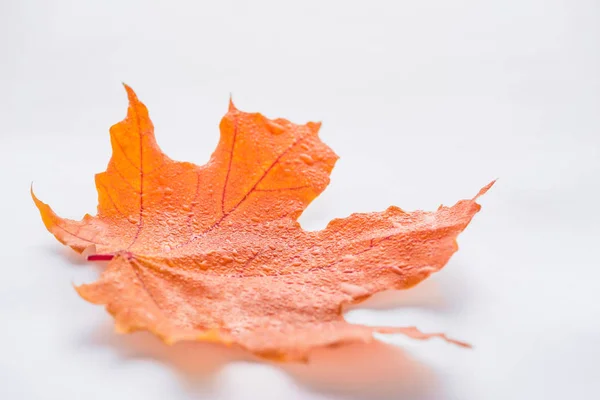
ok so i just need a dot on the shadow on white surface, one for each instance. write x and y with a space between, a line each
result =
358 371
71 256
427 294
365 371
196 362
441 292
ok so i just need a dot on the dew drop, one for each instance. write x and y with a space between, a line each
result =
168 191
308 160
275 128
185 207
353 290
349 257
132 219
396 269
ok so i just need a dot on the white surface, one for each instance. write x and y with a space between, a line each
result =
425 102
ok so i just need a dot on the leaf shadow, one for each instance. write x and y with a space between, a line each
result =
77 260
427 294
68 254
441 293
197 364
373 370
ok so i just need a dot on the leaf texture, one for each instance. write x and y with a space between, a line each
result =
215 252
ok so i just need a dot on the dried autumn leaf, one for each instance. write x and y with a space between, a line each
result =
214 252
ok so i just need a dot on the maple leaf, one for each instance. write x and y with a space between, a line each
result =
215 252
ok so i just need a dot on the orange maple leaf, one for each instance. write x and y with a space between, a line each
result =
214 252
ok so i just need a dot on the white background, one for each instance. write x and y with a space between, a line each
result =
425 102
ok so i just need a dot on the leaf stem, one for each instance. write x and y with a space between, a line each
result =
100 257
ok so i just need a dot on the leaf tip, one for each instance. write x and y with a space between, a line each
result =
40 204
81 291
314 126
130 93
485 189
232 106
